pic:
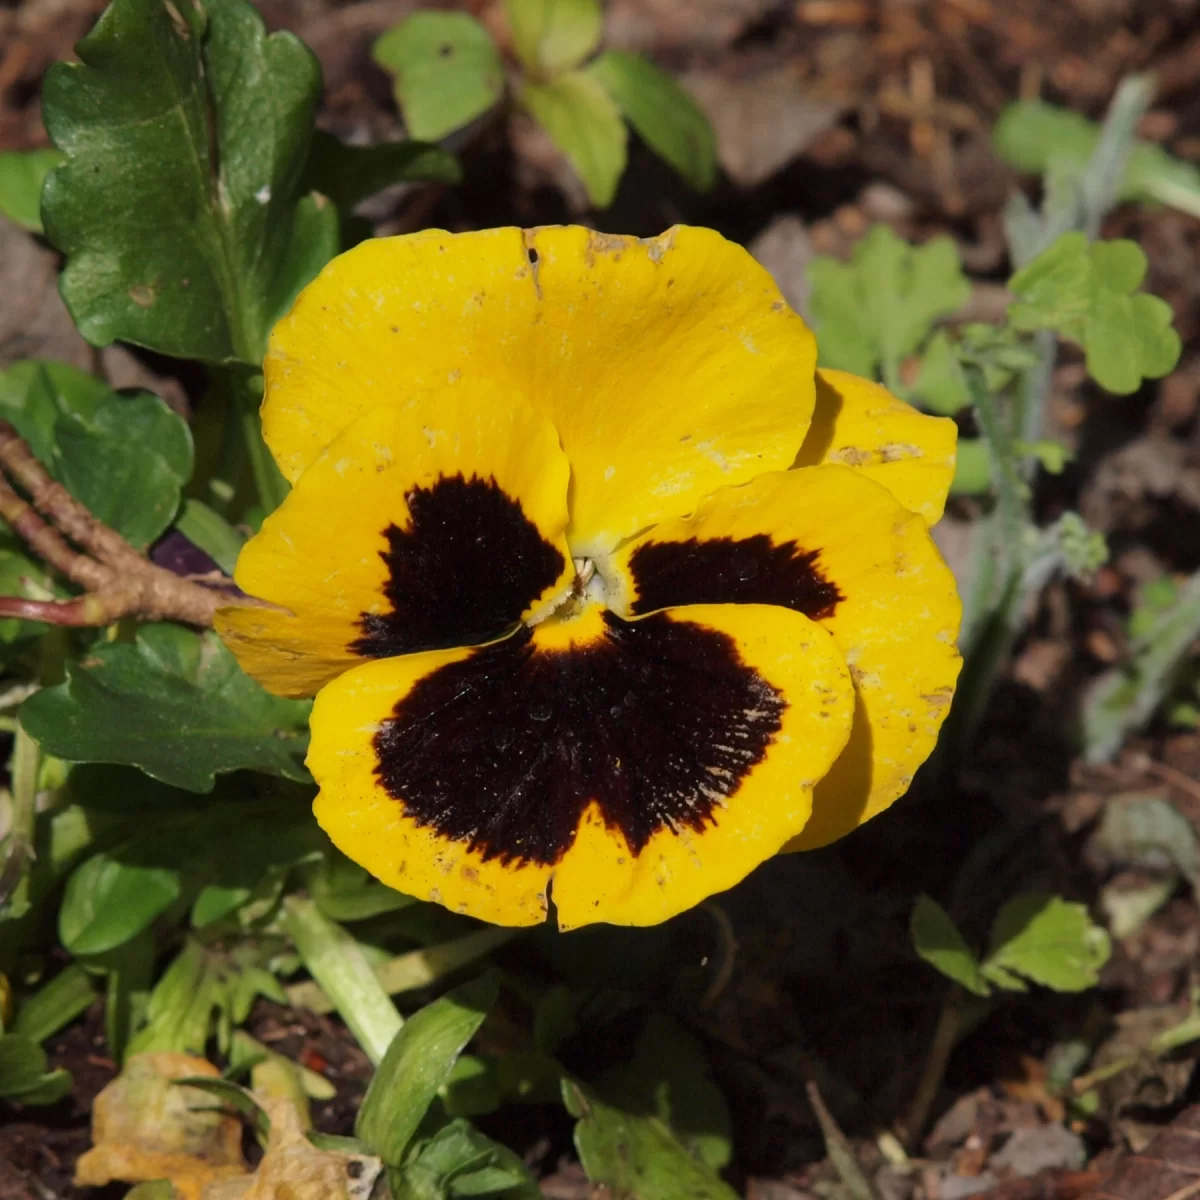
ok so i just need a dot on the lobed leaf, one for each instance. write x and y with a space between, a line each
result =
185 129
176 705
447 71
1049 941
460 1161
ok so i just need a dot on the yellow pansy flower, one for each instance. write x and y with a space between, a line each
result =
604 592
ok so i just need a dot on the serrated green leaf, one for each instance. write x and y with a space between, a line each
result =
459 1161
109 902
668 120
636 1156
349 174
668 1078
1049 941
176 705
1083 291
22 173
937 940
447 71
551 36
185 129
584 122
417 1065
878 308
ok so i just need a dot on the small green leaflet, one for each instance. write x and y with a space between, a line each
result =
108 902
1049 941
174 704
668 120
937 940
447 70
583 121
551 36
25 1075
1088 292
460 1161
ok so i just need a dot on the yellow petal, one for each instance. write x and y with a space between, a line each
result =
669 366
829 542
436 523
860 424
640 766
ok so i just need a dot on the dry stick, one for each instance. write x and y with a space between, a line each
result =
119 581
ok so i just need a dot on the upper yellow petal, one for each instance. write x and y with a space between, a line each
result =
669 366
435 523
860 424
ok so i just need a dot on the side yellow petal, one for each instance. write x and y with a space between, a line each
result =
670 366
344 557
860 424
828 541
632 767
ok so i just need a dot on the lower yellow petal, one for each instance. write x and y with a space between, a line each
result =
439 522
860 424
830 542
634 767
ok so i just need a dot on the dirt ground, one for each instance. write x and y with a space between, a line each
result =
830 114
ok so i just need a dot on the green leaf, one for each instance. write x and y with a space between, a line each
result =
636 1156
24 1074
185 129
108 902
56 1004
1033 136
1048 941
35 393
174 704
417 1065
1085 292
1150 833
937 940
211 533
447 69
460 1161
349 174
941 386
668 120
878 308
22 173
179 1011
551 36
127 463
585 124
344 891
668 1078
972 468
239 1098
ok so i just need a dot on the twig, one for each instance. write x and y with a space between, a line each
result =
118 582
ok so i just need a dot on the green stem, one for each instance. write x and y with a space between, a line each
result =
336 961
269 484
23 768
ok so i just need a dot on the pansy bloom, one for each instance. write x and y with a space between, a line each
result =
604 592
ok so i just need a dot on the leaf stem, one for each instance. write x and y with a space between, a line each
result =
269 485
23 768
945 1037
336 961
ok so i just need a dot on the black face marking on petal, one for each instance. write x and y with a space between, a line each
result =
753 570
658 722
465 569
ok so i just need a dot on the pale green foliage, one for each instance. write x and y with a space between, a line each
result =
1088 292
550 36
1036 136
1035 937
874 311
22 173
583 120
447 71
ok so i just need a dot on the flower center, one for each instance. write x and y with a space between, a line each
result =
587 590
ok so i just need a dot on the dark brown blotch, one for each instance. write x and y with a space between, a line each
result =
659 722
